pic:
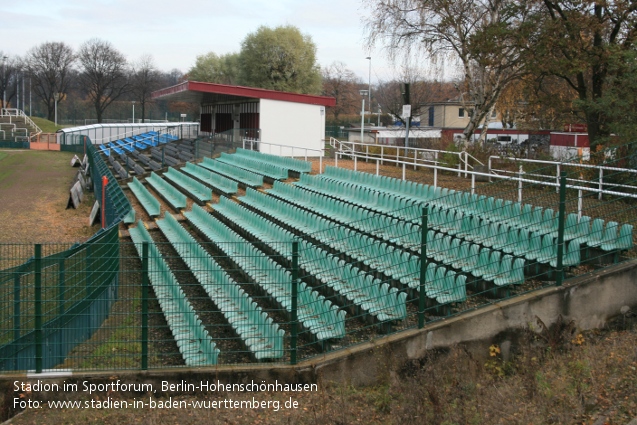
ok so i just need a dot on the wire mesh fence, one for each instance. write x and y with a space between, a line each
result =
297 269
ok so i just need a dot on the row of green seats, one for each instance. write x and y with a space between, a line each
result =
482 219
379 299
278 209
262 337
192 338
197 190
394 263
246 177
359 218
217 181
260 228
445 286
378 255
475 260
383 256
172 195
266 169
595 233
293 164
377 201
318 315
148 201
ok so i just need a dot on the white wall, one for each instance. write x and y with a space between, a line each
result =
292 124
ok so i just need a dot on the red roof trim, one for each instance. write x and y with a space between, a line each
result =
250 92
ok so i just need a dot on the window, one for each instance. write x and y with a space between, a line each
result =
494 114
460 112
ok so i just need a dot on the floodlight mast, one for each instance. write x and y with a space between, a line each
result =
4 81
369 87
363 94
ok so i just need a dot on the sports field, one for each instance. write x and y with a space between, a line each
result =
34 190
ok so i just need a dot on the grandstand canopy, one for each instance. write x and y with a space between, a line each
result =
277 119
209 93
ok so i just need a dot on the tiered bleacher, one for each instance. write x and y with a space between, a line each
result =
360 243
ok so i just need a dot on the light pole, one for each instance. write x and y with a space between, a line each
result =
363 93
56 97
4 81
369 87
133 112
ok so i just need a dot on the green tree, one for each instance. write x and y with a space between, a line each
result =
588 45
280 59
213 68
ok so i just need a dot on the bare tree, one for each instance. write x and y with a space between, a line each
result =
423 90
144 80
342 84
103 74
11 66
484 36
49 66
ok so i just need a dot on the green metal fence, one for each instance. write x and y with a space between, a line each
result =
298 269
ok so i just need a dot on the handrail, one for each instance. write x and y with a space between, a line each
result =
559 164
27 120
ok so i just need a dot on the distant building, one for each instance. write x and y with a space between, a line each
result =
418 137
450 114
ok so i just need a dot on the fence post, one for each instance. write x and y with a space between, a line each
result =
560 230
16 304
145 305
61 288
336 156
295 289
38 308
436 170
520 184
89 269
103 206
423 269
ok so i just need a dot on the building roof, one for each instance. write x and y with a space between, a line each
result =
209 93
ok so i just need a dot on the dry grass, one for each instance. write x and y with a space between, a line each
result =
558 377
34 189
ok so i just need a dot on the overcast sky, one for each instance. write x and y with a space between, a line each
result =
175 32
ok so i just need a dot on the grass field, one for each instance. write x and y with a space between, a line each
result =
34 189
46 126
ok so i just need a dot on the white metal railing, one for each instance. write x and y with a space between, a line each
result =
559 165
411 156
290 151
13 112
520 177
